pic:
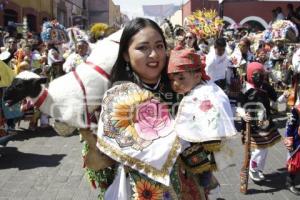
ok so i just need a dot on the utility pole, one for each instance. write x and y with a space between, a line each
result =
182 12
221 14
221 8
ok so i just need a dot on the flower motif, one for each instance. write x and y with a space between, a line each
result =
234 60
145 190
134 117
152 120
205 105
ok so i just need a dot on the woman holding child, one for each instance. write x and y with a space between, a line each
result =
136 125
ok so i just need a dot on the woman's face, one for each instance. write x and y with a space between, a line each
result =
189 39
243 47
147 55
262 57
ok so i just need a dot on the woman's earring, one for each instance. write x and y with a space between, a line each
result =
127 67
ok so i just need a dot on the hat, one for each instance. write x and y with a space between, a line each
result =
251 68
186 60
4 55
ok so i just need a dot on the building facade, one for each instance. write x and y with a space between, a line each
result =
13 11
68 12
254 12
176 18
71 12
104 11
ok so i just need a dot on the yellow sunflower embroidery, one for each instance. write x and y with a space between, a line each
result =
134 116
145 190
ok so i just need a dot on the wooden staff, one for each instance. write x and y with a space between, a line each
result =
244 174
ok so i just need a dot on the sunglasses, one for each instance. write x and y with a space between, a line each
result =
189 37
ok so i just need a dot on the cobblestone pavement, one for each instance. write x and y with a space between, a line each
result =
43 165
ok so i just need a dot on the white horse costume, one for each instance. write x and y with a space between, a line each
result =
71 97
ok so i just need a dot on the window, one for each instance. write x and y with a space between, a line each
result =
10 16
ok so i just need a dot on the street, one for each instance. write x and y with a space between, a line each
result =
43 165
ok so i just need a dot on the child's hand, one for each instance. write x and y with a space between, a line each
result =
288 142
286 93
247 117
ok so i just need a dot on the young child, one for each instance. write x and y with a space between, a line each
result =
255 108
204 116
292 143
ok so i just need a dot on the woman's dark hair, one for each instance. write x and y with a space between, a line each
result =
52 46
246 41
119 72
195 43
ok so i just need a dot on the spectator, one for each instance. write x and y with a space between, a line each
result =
55 61
191 41
11 48
217 63
274 17
292 16
280 15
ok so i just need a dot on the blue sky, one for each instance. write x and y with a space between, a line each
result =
133 8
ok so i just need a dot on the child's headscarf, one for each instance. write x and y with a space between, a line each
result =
252 78
186 60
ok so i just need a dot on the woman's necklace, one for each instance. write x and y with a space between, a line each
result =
147 85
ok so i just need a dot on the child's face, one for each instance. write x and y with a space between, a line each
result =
183 82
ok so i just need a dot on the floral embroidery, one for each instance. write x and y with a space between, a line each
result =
205 105
134 117
146 190
152 118
234 60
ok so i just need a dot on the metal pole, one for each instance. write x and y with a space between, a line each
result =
221 9
221 14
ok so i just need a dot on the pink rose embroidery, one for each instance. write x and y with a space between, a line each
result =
152 120
234 60
205 105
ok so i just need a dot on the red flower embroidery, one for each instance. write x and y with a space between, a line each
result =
205 105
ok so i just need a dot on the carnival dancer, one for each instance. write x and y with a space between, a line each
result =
292 143
135 126
292 136
204 116
255 107
77 57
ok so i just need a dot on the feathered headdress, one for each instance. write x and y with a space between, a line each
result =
53 32
205 24
99 30
279 31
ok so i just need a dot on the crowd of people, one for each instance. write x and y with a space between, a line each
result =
206 83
